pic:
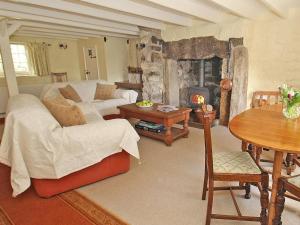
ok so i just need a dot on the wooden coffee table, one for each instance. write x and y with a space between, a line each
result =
167 119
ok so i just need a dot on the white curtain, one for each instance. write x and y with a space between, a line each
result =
38 58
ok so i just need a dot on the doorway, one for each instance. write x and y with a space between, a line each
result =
91 63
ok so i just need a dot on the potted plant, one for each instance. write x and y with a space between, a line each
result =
291 101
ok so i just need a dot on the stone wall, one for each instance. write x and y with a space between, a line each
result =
187 77
152 66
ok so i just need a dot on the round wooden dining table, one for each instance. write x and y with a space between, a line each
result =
266 127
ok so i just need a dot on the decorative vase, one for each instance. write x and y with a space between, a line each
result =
291 111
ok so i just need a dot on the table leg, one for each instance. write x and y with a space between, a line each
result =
168 136
289 163
186 126
276 174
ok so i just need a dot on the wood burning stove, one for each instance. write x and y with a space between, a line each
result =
208 73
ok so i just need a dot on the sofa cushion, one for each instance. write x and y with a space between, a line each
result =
70 93
105 91
63 112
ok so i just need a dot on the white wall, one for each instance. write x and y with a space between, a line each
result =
116 55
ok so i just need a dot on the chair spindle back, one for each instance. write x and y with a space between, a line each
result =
208 144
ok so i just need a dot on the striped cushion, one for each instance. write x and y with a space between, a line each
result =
234 162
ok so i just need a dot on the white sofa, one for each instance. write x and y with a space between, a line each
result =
86 91
34 144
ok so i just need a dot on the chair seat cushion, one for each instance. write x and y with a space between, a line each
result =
295 181
234 162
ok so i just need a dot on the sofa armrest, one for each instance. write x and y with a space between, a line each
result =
129 95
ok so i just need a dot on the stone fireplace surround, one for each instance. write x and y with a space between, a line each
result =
163 78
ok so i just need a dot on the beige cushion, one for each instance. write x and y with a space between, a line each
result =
295 181
105 91
234 162
63 112
70 93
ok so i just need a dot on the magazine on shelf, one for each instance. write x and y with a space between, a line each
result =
159 130
166 108
150 126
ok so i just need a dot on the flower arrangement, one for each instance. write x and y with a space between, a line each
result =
198 99
203 109
291 101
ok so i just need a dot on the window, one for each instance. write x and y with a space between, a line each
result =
20 59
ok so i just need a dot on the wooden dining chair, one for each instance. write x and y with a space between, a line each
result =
292 185
232 166
59 77
261 98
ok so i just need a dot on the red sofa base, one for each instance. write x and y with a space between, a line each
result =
110 166
112 116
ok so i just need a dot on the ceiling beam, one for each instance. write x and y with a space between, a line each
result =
64 15
97 13
245 9
43 36
30 10
13 27
46 30
52 34
31 24
276 7
141 9
197 9
25 16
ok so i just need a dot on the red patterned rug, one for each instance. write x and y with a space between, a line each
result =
69 208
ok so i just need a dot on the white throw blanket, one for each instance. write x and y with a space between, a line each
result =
36 146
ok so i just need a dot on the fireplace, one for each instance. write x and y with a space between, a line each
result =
200 77
174 71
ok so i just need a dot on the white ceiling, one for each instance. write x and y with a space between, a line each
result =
122 18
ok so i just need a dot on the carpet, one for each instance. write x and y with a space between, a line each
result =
70 208
165 188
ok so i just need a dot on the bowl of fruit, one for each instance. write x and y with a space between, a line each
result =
145 104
